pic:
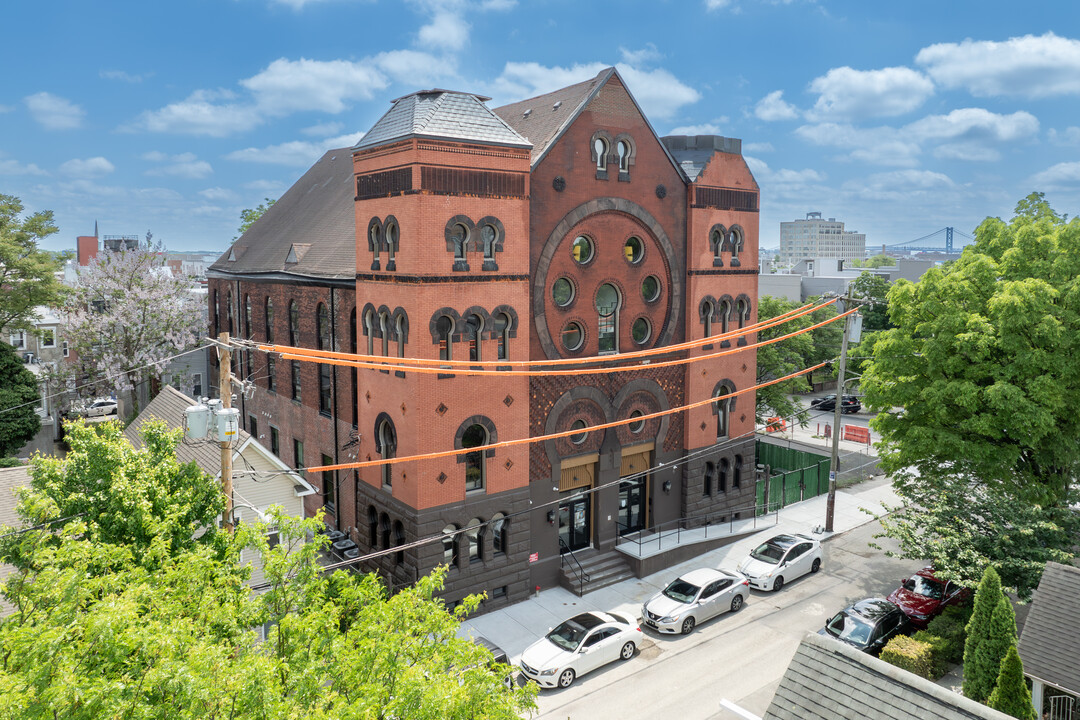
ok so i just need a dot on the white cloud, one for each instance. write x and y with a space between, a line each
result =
185 165
758 147
660 93
1062 175
87 168
6 108
415 68
199 114
881 146
637 58
912 179
272 188
324 129
849 94
976 124
1029 66
14 167
54 112
773 107
123 76
704 129
718 4
967 151
303 85
218 194
447 30
297 153
1068 136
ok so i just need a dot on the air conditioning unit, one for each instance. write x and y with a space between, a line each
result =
28 357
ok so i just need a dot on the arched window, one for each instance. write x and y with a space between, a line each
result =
706 316
723 412
743 312
607 310
735 242
474 535
474 324
488 234
294 324
384 528
600 146
460 235
736 472
623 149
269 323
725 315
384 331
500 530
373 526
502 331
475 436
271 358
710 475
369 325
228 311
388 450
444 326
374 232
450 546
401 336
716 243
353 398
721 485
322 327
399 540
217 313
391 233
247 317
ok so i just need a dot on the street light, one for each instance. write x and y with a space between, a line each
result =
834 465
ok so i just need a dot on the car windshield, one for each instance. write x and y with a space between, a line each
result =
925 587
681 591
567 635
767 552
849 628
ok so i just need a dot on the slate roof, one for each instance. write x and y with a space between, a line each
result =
828 680
316 211
1050 642
441 114
693 152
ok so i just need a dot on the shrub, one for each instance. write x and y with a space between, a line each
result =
910 654
951 626
941 649
1011 695
980 677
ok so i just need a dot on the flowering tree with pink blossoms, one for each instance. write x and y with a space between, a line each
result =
127 315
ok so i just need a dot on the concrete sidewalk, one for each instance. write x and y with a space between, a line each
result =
516 627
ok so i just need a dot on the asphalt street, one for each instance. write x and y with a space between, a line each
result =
739 658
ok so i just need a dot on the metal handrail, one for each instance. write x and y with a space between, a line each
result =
657 532
583 577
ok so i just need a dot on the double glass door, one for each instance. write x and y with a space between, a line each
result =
631 506
574 523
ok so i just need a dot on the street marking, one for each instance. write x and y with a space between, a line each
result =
725 703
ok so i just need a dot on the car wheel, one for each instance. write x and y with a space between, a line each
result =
627 651
688 625
816 566
778 583
736 603
566 679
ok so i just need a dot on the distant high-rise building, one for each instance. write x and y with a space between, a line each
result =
815 237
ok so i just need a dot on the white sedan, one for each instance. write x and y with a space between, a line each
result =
580 645
100 408
781 559
693 598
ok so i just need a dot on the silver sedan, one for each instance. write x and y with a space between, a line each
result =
695 597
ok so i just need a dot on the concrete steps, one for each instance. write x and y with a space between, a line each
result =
602 570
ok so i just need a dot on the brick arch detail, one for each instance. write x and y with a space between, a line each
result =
581 396
448 232
453 315
484 422
375 222
715 407
632 160
715 308
484 315
399 313
510 313
375 429
363 314
624 401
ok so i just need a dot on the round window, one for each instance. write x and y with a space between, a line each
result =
650 288
582 250
580 436
572 336
637 425
634 249
640 331
562 292
607 300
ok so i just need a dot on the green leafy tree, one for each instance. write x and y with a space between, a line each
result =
976 389
992 650
1011 695
248 216
879 260
19 422
788 356
27 279
874 288
987 598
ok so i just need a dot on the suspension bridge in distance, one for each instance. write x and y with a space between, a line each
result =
946 240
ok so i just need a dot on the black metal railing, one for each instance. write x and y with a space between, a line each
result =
582 576
672 530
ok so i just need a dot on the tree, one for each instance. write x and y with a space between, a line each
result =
26 272
19 421
248 216
874 288
987 597
788 356
879 260
976 389
127 317
1011 695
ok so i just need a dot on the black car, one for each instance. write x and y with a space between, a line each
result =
868 624
850 404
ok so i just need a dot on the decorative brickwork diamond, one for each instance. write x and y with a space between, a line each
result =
402 408
703 425
441 409
508 401
442 477
509 464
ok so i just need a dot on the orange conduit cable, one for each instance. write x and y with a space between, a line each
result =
383 362
565 433
572 371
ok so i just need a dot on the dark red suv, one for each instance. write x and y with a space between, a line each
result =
922 596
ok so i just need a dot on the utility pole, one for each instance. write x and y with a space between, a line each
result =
834 466
225 391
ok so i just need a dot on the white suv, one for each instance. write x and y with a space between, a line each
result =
781 559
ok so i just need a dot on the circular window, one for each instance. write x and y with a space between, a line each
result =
562 292
640 331
572 336
638 425
634 249
650 288
580 436
607 300
582 250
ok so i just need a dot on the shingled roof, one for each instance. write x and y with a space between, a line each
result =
1050 643
829 680
313 224
693 152
441 114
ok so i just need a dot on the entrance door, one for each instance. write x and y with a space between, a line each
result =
574 523
631 506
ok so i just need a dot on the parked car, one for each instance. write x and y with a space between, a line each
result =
781 559
498 656
98 408
923 597
868 624
850 404
580 645
695 597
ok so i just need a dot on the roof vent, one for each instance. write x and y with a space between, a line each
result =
526 114
557 105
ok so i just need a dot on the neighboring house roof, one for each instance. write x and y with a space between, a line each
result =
1049 642
828 680
316 211
441 114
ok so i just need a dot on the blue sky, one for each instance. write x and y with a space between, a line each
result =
898 118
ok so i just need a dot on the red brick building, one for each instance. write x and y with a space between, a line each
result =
556 227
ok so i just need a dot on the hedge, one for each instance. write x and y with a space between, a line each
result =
910 654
